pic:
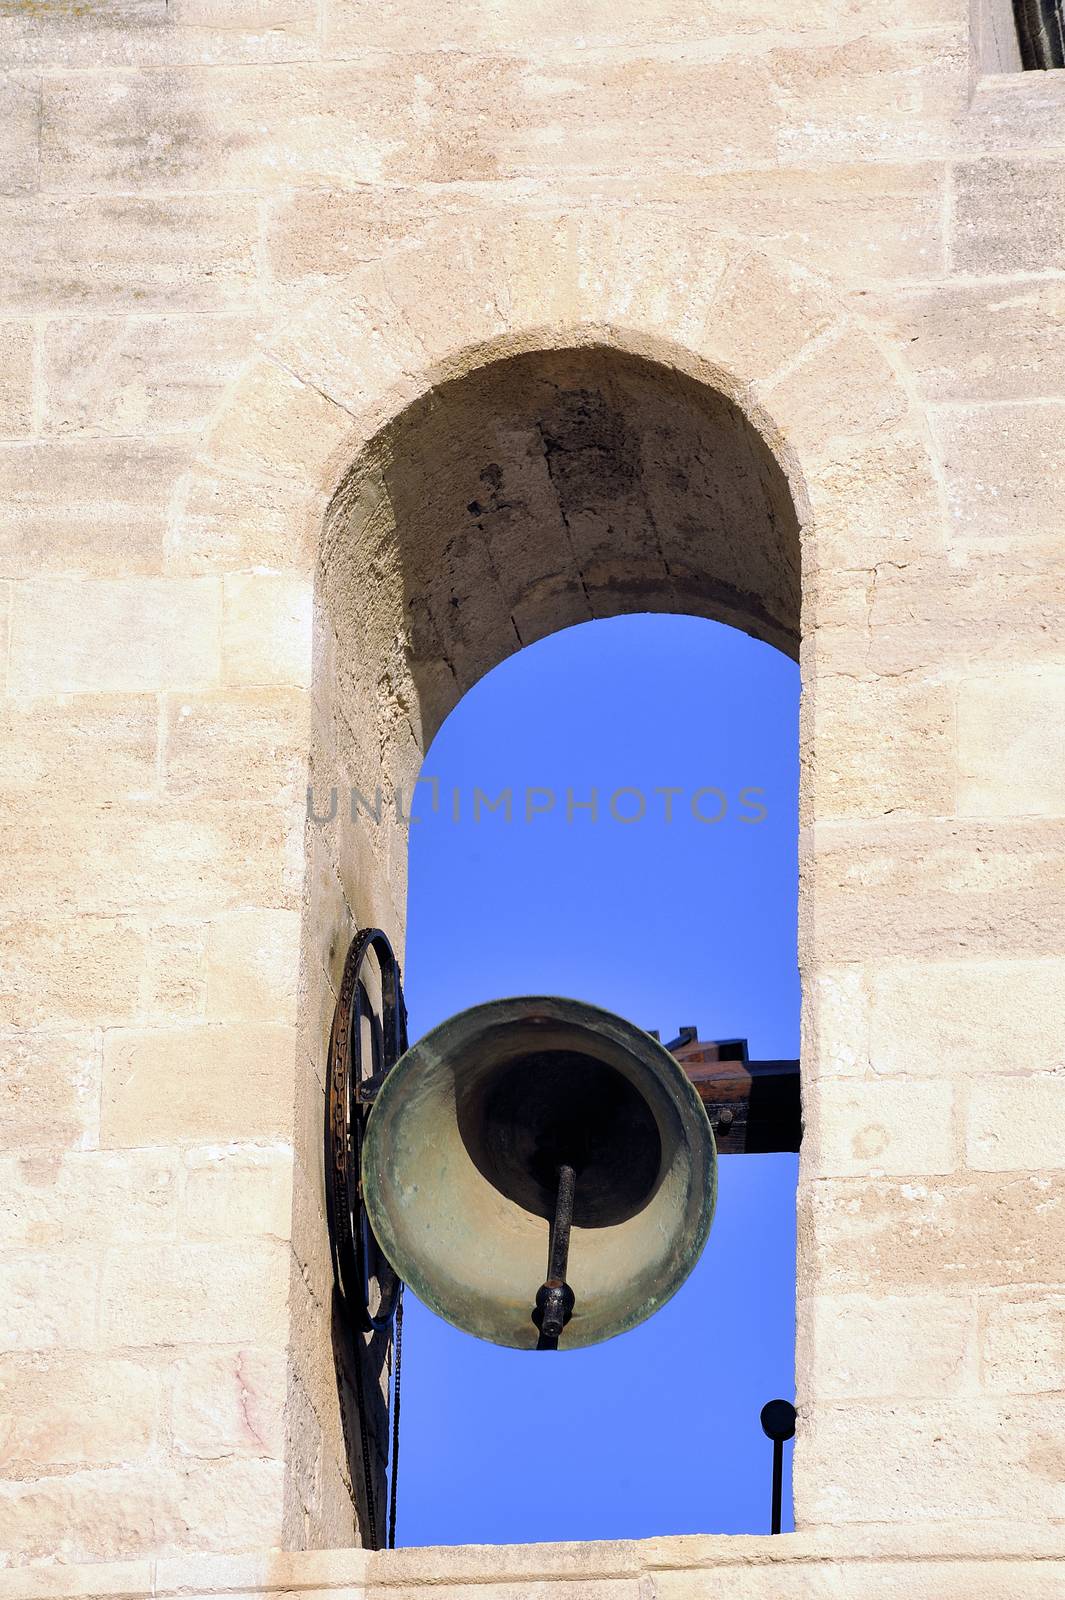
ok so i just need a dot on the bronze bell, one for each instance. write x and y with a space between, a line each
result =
531 1135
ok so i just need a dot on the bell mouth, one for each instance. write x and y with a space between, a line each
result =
461 1156
521 1118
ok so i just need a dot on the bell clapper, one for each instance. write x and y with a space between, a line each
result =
554 1298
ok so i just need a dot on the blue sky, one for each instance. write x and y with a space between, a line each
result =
669 923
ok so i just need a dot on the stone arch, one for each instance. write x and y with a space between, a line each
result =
370 407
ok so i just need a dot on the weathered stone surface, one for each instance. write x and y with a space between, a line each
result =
888 1126
1023 1344
1008 216
126 252
237 744
881 747
898 889
136 32
16 379
933 1019
150 857
134 635
85 747
69 972
229 1403
88 1197
874 1346
20 120
266 629
92 508
143 1510
882 1236
194 1294
141 375
238 1191
1011 744
984 342
182 1085
1016 1124
64 1411
252 966
864 1460
266 253
49 1299
1003 468
49 1090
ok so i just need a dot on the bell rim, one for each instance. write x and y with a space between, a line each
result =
696 1120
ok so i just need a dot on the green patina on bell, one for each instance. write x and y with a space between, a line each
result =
463 1150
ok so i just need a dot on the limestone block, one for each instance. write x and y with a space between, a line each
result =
277 425
5 631
228 522
984 342
88 1197
1003 467
902 889
1011 744
195 1294
961 607
1015 112
327 232
69 972
761 319
856 222
125 252
237 744
611 114
1023 1344
1016 1124
63 1412
49 1300
142 32
85 507
20 120
16 379
189 1084
140 375
252 966
946 1016
136 635
874 503
976 1458
835 1026
229 1403
868 1346
238 1192
547 26
85 747
868 98
341 124
175 979
266 629
932 1235
181 859
836 390
49 1090
143 1511
1008 215
890 1126
886 746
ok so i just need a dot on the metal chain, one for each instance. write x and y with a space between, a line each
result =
397 1372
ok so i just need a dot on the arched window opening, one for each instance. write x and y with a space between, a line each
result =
536 492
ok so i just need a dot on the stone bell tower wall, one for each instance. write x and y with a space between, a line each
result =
255 252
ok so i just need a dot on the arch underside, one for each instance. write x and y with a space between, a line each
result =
539 492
